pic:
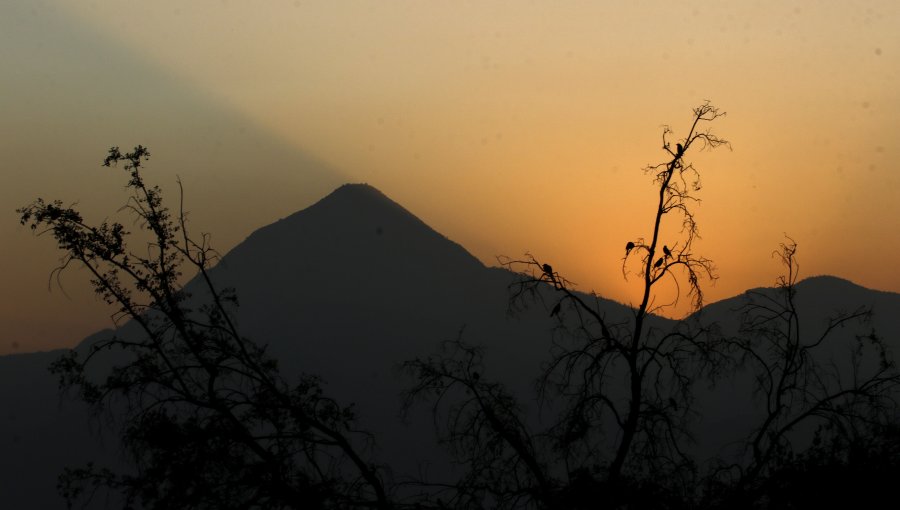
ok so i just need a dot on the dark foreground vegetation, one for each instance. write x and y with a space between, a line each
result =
208 420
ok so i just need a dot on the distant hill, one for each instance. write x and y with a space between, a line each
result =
732 408
347 289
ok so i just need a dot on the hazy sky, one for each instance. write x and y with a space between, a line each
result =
507 126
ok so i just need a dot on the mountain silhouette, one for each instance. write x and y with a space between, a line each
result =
732 407
347 289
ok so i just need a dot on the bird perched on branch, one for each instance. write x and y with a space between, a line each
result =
659 262
629 247
679 150
556 309
666 251
548 270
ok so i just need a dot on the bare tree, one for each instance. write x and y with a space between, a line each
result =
605 438
842 385
482 425
658 367
207 419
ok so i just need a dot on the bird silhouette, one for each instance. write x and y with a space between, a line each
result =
667 252
548 269
629 247
555 309
659 262
679 150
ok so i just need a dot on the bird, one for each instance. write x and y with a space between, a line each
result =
548 269
629 247
667 252
679 150
659 262
555 309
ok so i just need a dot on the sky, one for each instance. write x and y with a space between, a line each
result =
510 127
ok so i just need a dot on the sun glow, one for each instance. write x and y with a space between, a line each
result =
507 127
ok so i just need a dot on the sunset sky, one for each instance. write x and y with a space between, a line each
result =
507 126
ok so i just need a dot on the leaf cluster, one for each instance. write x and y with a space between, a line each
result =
205 416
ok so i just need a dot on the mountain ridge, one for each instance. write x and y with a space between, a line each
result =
346 288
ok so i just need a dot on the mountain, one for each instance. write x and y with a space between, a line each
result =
347 289
733 406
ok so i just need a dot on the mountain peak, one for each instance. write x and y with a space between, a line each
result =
356 225
359 188
835 283
359 198
357 191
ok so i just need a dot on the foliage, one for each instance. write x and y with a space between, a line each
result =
856 472
209 421
206 417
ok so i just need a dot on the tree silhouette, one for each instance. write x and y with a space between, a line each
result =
206 418
208 421
849 398
616 445
607 446
847 472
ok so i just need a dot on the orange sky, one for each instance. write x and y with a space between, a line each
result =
507 126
